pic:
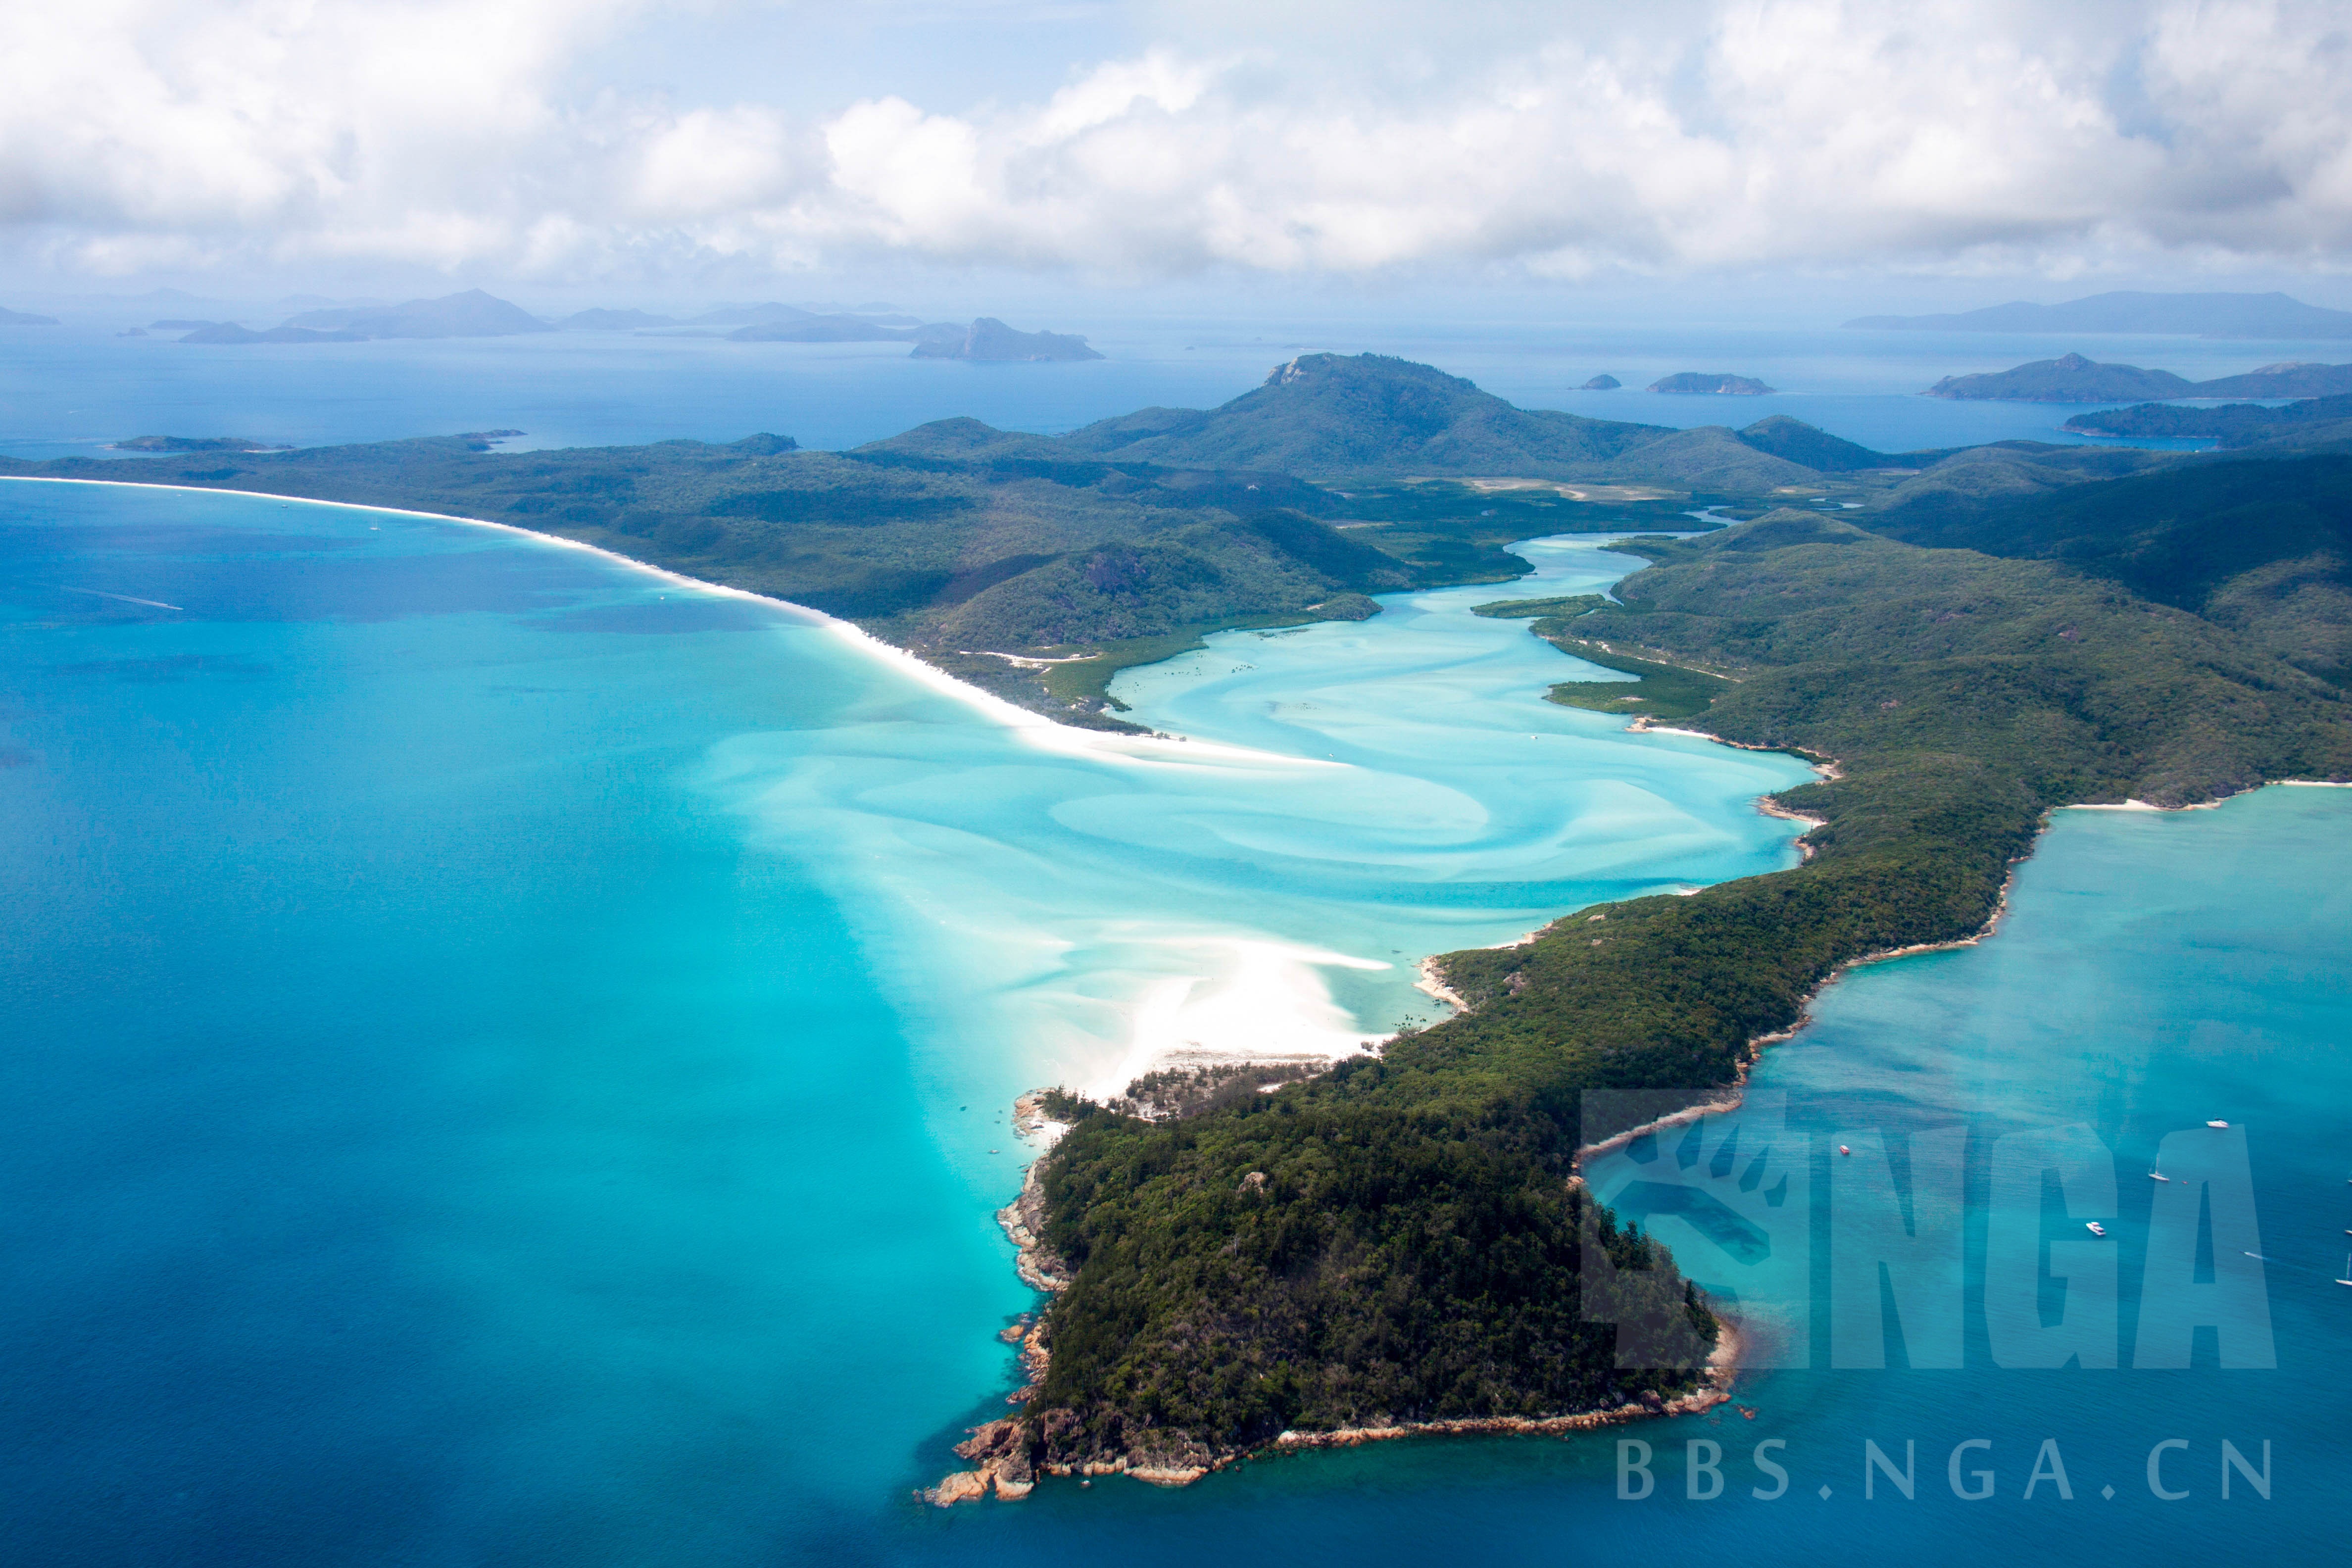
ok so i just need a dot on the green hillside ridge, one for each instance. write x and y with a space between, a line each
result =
1800 443
2261 546
2075 379
194 444
2071 378
1396 1240
963 543
2233 424
1353 420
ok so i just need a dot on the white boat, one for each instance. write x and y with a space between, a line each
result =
2095 1228
2217 1124
2158 1177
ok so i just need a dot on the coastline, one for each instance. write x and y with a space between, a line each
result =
1000 1449
1035 728
1722 1369
1021 1219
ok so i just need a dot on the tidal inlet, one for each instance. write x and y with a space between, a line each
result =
1158 784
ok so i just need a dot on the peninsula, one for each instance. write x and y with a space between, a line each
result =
1983 636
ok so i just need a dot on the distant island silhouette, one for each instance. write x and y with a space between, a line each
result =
1710 381
2190 315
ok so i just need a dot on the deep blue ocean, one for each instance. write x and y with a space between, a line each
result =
510 1055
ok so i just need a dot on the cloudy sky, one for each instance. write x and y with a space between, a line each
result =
569 143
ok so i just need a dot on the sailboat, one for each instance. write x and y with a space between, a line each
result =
2154 1175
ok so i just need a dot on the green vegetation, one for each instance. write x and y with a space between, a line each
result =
2261 546
1396 1240
193 444
2015 628
1527 609
1665 692
1662 691
2070 378
1800 443
2073 379
1187 1091
1344 419
2232 424
959 543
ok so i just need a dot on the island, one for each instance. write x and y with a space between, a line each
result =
194 444
1708 382
469 314
2072 378
1969 640
2194 315
26 318
1604 383
990 340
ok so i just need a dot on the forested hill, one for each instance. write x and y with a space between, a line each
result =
2263 546
1331 414
1395 1241
2310 423
966 543
1349 418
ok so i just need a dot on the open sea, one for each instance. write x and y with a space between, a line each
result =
509 1055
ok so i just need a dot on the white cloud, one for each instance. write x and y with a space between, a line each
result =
1694 135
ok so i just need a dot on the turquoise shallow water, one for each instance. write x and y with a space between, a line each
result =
512 1053
509 1058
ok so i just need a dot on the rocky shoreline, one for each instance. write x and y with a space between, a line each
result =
1009 1456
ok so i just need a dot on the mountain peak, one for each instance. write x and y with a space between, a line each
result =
1365 370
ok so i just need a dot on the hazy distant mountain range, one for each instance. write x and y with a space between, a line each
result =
990 339
24 318
2075 379
2193 315
474 314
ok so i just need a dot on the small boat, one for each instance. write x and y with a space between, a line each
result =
2222 1124
2158 1177
2094 1228
2347 1269
1843 1150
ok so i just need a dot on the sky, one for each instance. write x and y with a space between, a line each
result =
1952 152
